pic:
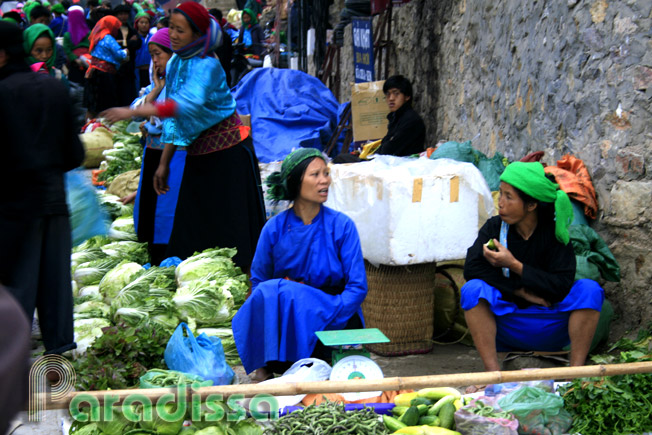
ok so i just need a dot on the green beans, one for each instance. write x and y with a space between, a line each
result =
328 418
488 411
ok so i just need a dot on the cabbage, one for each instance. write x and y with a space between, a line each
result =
216 332
127 250
247 427
237 287
118 425
117 278
86 331
77 258
160 425
123 229
75 288
204 302
92 243
113 205
91 309
207 265
130 316
91 273
90 290
89 429
137 291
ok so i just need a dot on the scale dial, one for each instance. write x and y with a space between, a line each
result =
357 367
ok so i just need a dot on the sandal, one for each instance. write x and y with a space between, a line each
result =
260 375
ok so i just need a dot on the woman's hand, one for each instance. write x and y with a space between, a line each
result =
116 114
129 198
159 82
501 257
161 179
537 300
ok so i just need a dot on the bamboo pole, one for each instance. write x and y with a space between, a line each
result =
360 385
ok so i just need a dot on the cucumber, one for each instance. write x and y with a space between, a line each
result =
423 409
392 424
438 393
399 410
429 420
446 416
434 409
420 401
410 417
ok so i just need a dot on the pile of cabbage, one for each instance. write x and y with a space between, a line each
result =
111 286
126 154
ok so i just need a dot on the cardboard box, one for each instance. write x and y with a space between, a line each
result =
369 111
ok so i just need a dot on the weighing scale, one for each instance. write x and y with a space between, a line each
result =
353 362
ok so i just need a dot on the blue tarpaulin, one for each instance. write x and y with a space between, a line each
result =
289 109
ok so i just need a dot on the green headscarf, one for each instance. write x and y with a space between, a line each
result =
58 8
278 181
30 35
531 179
27 9
252 14
140 15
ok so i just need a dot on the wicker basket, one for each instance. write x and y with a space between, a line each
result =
400 303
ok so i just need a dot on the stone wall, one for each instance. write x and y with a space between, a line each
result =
571 76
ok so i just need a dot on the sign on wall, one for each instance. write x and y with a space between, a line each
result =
363 49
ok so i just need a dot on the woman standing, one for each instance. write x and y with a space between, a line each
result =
106 56
251 34
308 274
153 216
76 44
220 200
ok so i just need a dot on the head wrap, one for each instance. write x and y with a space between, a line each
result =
162 38
201 21
252 14
30 35
27 9
278 181
58 8
77 26
531 179
108 25
141 15
9 20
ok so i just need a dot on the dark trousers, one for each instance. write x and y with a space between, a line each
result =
35 267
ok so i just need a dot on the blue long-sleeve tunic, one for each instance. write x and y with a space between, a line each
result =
327 284
199 89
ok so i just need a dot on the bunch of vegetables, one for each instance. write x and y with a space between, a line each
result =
617 404
141 419
158 378
328 418
427 411
124 156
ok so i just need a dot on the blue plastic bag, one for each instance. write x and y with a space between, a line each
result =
87 218
202 356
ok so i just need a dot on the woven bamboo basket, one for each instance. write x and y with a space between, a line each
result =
400 302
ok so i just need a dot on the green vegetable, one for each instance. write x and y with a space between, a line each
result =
160 425
117 278
434 409
120 356
211 430
479 408
91 309
429 420
393 424
123 229
127 250
118 425
399 410
410 417
86 331
246 427
328 418
491 245
446 419
207 265
77 258
204 302
92 272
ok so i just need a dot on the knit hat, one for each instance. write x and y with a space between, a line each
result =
140 16
196 14
531 179
162 38
277 181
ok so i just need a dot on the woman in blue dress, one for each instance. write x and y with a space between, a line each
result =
220 200
308 273
523 295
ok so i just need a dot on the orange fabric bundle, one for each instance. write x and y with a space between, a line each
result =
385 397
573 178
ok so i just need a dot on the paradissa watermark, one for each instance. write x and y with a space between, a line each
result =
171 407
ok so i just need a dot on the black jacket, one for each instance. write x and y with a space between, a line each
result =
39 143
548 265
406 133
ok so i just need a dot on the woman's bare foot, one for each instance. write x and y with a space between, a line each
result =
261 374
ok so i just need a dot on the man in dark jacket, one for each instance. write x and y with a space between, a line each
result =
39 144
406 132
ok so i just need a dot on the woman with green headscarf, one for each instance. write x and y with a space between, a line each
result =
40 47
521 292
308 273
251 34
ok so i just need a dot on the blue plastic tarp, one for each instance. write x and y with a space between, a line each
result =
289 109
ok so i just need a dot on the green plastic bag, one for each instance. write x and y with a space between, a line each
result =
174 378
594 259
537 411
